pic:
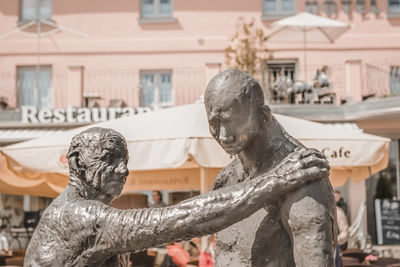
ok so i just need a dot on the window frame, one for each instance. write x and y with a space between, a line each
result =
393 13
157 87
310 5
394 80
156 16
22 20
268 72
278 13
19 91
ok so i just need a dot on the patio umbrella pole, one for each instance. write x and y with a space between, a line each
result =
37 69
305 54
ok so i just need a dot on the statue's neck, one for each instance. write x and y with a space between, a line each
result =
267 150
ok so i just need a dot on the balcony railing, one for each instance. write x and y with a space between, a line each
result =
325 85
382 78
374 79
109 86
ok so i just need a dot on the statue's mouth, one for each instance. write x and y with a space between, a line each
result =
230 148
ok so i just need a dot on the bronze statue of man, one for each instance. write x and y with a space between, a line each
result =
79 228
297 228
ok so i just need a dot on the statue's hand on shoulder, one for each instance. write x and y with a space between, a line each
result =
301 166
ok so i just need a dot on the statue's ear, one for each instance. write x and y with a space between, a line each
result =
74 162
266 113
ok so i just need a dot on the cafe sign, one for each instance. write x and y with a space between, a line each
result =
77 115
336 153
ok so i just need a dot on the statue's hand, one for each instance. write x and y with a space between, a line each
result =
302 166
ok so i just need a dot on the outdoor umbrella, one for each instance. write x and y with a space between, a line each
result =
173 149
307 28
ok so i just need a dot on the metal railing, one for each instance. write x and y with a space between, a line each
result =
382 77
378 79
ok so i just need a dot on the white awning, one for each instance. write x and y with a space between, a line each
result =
169 148
14 135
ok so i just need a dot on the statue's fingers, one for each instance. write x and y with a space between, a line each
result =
299 153
306 175
314 160
317 153
296 156
284 168
295 178
311 151
316 173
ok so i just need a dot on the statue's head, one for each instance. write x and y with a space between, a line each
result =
235 109
98 157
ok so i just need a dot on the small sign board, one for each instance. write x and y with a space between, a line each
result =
388 221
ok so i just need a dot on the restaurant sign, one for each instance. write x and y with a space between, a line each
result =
77 115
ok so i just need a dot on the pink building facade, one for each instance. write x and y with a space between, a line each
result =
165 51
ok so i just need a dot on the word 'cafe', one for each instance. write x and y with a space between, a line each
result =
340 153
77 115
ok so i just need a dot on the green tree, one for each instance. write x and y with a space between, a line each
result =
247 50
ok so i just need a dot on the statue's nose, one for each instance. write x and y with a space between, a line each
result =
122 169
225 137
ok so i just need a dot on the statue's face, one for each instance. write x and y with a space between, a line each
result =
118 171
232 123
110 173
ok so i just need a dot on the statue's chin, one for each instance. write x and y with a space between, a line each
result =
232 150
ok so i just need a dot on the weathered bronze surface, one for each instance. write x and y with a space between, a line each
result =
80 228
297 228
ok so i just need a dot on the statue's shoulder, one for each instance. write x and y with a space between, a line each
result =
231 174
65 209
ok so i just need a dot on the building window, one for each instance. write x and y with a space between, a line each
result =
312 7
329 8
395 80
278 8
361 6
26 83
156 8
156 88
35 9
279 78
373 7
394 7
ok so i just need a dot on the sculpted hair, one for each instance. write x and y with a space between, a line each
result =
235 84
238 86
92 147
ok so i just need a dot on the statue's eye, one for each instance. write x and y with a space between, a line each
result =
106 156
214 126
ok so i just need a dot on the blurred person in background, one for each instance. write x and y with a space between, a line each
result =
193 247
340 201
207 257
157 200
176 256
343 228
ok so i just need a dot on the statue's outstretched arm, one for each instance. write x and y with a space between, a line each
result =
132 230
